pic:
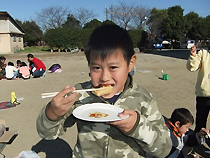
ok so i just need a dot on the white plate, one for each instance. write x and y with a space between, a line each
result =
83 112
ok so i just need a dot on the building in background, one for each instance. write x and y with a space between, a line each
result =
11 34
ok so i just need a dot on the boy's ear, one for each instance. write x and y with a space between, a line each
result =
132 62
177 124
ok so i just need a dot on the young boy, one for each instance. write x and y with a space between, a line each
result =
38 64
179 124
110 57
11 71
2 67
18 62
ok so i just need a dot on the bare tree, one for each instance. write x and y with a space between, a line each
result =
122 14
84 15
140 15
154 27
154 23
52 17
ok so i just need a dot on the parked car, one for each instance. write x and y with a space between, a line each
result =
157 46
166 44
74 50
190 43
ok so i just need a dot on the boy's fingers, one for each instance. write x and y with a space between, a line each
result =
65 91
205 130
126 112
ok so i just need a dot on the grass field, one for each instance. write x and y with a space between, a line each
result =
35 49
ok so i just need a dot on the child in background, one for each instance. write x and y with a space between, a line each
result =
11 71
24 71
2 67
110 57
2 71
179 124
18 62
3 60
200 63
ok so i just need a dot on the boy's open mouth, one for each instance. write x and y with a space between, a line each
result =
103 85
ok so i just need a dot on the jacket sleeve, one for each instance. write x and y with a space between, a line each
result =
49 129
151 133
194 63
192 139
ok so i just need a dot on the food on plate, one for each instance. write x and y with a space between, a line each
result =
98 114
103 90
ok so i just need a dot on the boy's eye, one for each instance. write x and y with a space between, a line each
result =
113 67
95 67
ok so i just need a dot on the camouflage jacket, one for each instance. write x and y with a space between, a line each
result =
100 140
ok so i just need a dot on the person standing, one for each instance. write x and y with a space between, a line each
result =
201 62
40 68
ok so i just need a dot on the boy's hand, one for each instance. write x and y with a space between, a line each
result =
193 50
203 132
127 124
61 103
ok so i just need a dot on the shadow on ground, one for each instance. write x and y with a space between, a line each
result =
174 53
53 148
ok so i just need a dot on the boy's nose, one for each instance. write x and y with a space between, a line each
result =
105 76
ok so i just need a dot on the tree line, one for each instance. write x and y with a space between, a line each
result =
61 29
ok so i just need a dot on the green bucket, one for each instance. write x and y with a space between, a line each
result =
165 77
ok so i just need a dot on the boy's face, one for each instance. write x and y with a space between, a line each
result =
184 128
3 61
111 71
30 59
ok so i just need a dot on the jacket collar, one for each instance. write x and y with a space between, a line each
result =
170 125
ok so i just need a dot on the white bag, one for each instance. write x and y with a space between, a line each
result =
27 154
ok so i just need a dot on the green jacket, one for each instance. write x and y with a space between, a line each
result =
99 140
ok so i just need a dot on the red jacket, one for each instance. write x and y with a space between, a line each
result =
38 64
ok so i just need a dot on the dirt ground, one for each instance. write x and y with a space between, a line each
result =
178 91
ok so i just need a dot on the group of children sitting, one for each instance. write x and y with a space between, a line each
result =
22 70
11 72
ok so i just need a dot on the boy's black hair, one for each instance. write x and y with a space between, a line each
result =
18 62
10 63
23 64
105 39
182 115
2 58
30 56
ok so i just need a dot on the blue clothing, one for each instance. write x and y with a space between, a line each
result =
179 141
38 73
